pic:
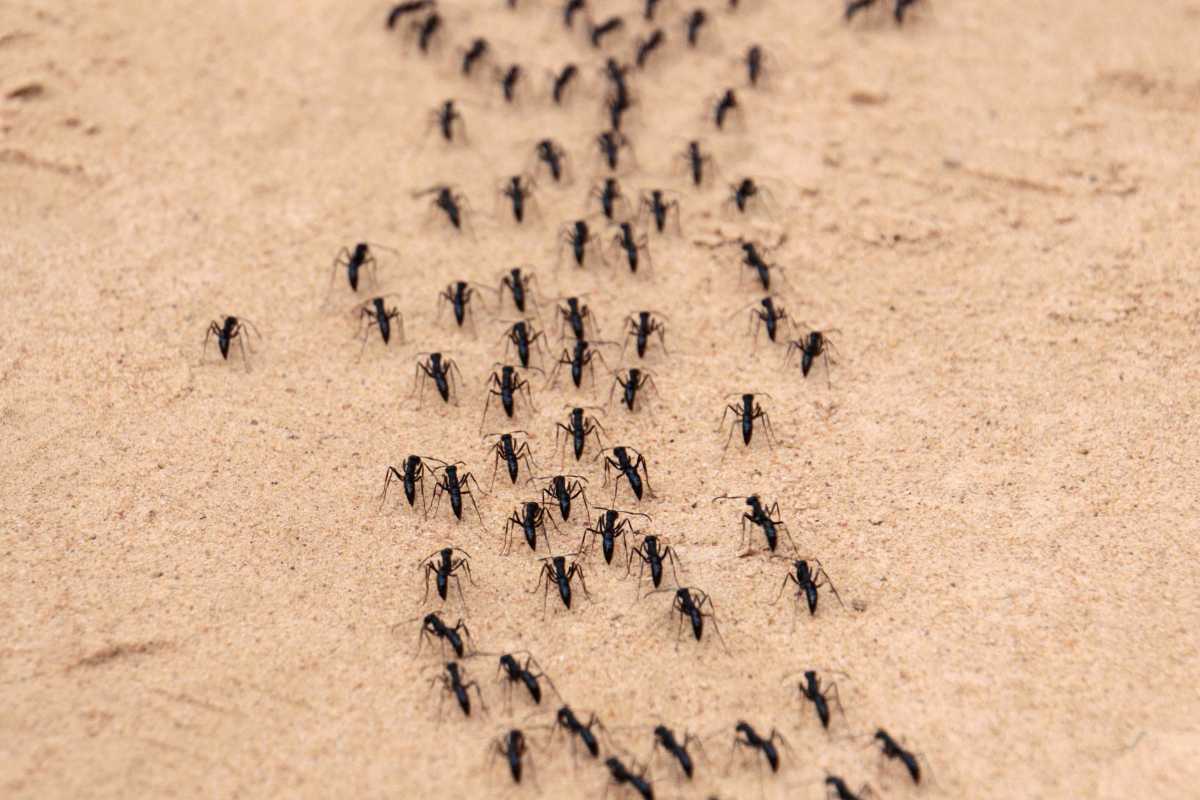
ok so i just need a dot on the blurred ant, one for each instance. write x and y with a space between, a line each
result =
507 449
550 153
634 380
751 740
608 193
442 564
401 9
898 10
892 749
231 329
518 190
377 315
529 518
478 49
508 383
754 64
577 429
664 737
609 530
426 29
745 192
441 371
656 203
771 315
514 748
641 328
572 8
746 414
811 690
354 262
565 718
514 672
644 47
633 246
522 335
562 82
696 161
558 573
448 201
508 82
458 296
622 775
753 259
432 626
725 104
518 286
578 236
808 580
576 314
597 32
693 23
455 487
444 117
617 104
648 10
815 344
839 788
610 144
452 682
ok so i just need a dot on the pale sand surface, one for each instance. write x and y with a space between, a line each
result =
996 205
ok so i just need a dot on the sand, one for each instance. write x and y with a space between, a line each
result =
994 205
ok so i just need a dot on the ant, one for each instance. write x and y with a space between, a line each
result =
660 208
455 486
514 672
635 380
513 747
518 189
726 103
811 691
561 575
402 9
693 23
641 328
458 296
898 10
754 260
447 200
443 565
648 12
608 529
508 383
766 518
522 335
518 286
696 160
577 358
808 580
530 517
891 749
610 144
505 448
231 328
354 262
771 316
652 554
617 103
644 47
375 313
444 117
597 32
743 192
478 49
838 786
577 429
815 344
426 30
566 719
609 195
576 314
628 468
562 82
438 369
452 682
664 737
508 82
749 411
753 741
689 604
632 246
577 236
571 8
413 474
550 153
558 490
622 775
754 64
615 73
432 626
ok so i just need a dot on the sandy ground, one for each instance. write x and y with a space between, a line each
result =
995 205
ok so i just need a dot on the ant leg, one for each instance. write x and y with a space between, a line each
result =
458 585
783 527
437 496
495 466
669 554
428 567
829 583
786 578
832 688
242 347
486 403
712 615
578 570
474 505
771 438
528 395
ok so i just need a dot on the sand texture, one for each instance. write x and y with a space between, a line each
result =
995 206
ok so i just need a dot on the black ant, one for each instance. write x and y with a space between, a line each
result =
811 691
628 468
768 519
754 64
808 580
621 775
550 153
620 96
696 161
635 380
770 314
458 296
838 786
579 356
443 565
641 328
354 262
689 603
401 9
478 49
726 103
634 246
754 260
571 8
557 572
432 626
379 316
518 286
644 47
746 414
444 117
751 740
597 32
652 554
815 344
452 682
450 202
610 144
508 82
514 748
608 529
660 208
519 191
576 314
745 191
617 104
577 429
412 475
565 718
231 328
508 383
693 23
514 672
426 30
648 10
891 749
440 370
664 737
562 82
522 335
898 10
529 518
507 449
609 195
455 486
562 492
576 235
